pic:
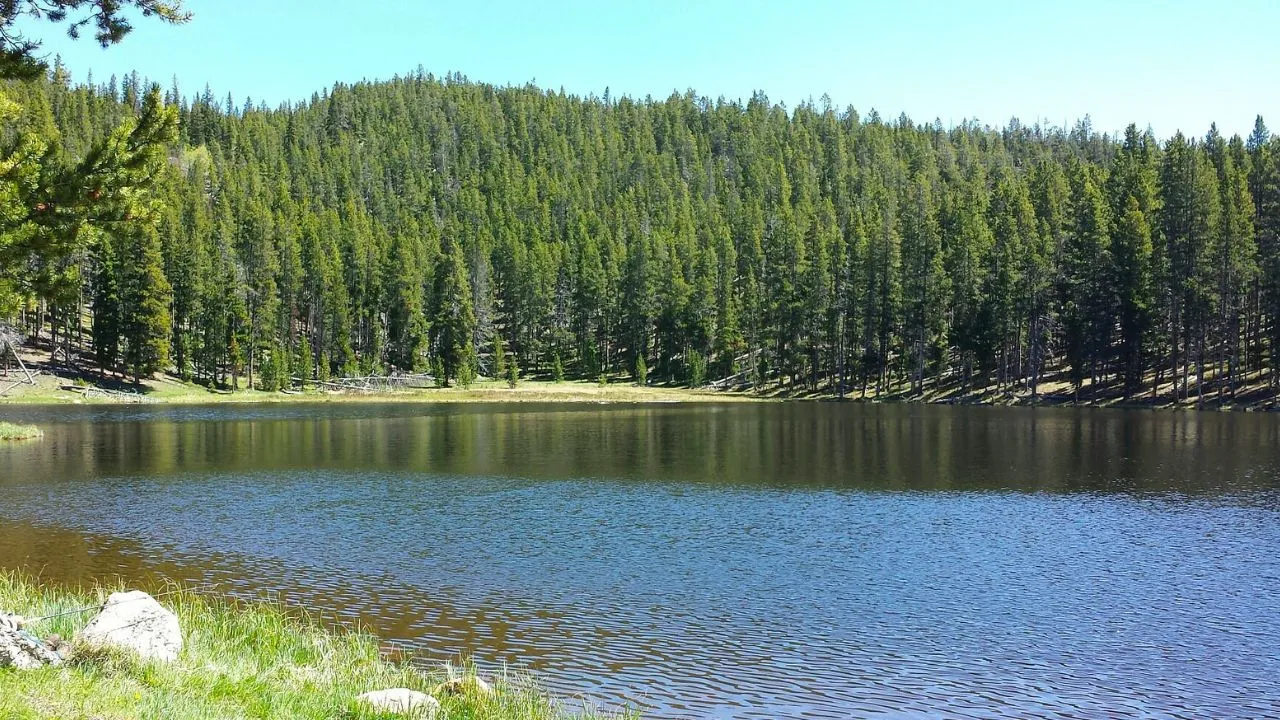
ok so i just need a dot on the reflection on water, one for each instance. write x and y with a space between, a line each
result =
798 560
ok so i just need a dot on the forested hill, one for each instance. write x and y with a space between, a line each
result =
444 224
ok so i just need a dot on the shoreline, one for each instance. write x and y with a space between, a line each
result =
59 385
241 659
169 391
51 391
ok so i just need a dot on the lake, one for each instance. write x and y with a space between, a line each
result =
782 560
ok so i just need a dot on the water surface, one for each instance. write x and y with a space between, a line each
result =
746 561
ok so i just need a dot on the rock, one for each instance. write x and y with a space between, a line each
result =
55 643
20 649
458 686
135 621
11 622
402 700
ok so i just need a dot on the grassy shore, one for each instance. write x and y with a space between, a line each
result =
10 431
60 385
173 392
238 661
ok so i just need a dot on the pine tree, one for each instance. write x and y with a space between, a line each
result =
883 283
729 342
1264 187
924 285
405 308
1132 252
19 54
145 296
304 366
106 303
967 261
1004 300
1083 290
697 364
499 357
1132 190
1191 225
455 321
1237 262
1049 197
557 369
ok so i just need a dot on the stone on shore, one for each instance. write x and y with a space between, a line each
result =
134 621
460 685
402 700
22 650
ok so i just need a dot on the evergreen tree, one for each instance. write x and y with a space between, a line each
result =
1236 263
455 320
1132 252
557 368
19 54
106 304
145 296
405 307
1132 189
924 279
1264 187
1083 291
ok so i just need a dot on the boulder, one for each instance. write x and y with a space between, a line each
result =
460 685
58 645
402 700
134 621
22 650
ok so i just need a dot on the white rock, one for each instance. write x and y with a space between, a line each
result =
23 651
457 686
402 700
135 621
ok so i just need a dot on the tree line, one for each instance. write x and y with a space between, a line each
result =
438 223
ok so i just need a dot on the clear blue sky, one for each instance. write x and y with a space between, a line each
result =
1171 64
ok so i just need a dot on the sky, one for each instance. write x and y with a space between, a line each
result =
1170 65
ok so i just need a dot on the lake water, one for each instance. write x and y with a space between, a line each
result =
797 560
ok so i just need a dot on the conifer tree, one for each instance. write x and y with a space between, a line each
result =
145 296
19 55
1264 187
1236 263
1132 191
1132 252
405 308
455 320
1083 291
924 286
106 304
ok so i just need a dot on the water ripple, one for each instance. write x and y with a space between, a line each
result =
699 599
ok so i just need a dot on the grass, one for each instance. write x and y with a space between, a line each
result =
238 661
10 431
57 385
169 390
1252 392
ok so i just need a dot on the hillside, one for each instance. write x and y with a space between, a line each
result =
448 225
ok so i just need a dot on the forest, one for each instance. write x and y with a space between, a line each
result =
461 228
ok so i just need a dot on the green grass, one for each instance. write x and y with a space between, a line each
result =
10 431
238 661
169 390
